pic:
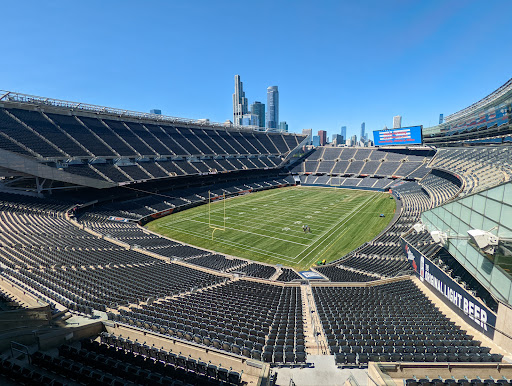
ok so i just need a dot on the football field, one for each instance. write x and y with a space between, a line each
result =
267 226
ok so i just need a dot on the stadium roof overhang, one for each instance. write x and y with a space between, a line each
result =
16 165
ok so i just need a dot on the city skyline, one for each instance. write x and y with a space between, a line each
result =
402 72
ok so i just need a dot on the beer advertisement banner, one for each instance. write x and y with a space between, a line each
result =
474 312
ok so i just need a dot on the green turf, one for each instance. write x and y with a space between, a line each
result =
267 226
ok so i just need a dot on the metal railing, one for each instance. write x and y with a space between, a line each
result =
12 96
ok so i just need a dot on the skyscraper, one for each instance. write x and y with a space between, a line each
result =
323 137
258 108
250 120
283 127
156 111
344 132
273 107
337 140
240 103
397 122
316 140
362 135
441 118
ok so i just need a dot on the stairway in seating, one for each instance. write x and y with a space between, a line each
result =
315 340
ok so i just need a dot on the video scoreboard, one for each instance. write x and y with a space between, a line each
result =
404 136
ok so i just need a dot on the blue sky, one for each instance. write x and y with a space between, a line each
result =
335 62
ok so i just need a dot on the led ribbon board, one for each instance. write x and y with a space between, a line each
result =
404 136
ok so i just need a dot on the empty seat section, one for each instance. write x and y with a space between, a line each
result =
135 141
355 167
226 136
153 169
110 171
267 142
279 143
190 137
135 172
84 170
390 323
186 166
82 135
201 166
242 140
215 135
20 133
108 136
171 140
149 138
207 136
171 167
39 123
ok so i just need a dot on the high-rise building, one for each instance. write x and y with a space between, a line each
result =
273 107
283 127
316 140
441 118
258 108
354 139
250 120
344 132
337 140
240 104
397 122
323 137
156 111
362 136
309 133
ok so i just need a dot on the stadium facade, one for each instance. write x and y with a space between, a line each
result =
484 122
80 180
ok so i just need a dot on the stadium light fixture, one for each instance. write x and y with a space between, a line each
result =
439 237
485 240
419 227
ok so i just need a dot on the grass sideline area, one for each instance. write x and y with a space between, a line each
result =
267 226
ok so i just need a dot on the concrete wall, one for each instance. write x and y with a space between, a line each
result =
54 338
395 373
503 332
249 367
23 297
23 317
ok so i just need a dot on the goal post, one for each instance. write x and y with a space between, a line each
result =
336 182
213 225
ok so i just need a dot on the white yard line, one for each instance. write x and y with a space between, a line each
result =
266 220
254 233
241 246
262 217
341 222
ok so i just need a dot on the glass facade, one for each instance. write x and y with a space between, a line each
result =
489 210
250 120
258 108
273 107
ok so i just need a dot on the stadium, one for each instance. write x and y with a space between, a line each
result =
145 249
